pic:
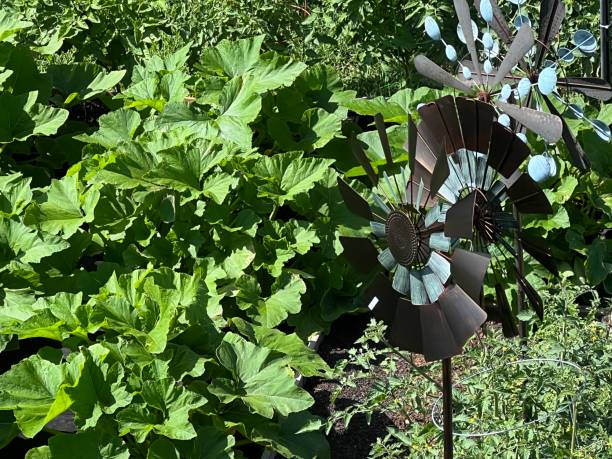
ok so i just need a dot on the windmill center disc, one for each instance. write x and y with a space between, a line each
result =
402 237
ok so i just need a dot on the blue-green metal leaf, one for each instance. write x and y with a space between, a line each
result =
378 229
547 81
585 41
438 241
433 286
386 259
401 280
432 29
440 265
418 294
601 129
381 204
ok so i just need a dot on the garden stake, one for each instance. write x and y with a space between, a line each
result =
447 407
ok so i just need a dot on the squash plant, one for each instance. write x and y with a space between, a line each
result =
158 283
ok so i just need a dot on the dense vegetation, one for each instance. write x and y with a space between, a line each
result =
169 215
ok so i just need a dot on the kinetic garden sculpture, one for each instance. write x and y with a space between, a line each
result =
443 224
452 217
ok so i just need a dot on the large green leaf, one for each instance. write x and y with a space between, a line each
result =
288 174
10 24
77 82
101 389
166 411
115 127
25 245
232 58
63 208
300 356
35 390
21 117
264 383
15 194
285 299
92 444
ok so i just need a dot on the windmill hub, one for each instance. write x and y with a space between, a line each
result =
403 237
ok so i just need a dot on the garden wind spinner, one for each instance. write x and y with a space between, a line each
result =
524 82
423 293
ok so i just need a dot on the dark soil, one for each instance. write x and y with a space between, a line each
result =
355 441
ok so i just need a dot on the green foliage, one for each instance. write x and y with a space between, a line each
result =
165 256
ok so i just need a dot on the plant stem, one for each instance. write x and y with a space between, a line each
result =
411 363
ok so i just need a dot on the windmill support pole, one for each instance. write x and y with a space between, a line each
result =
604 9
520 295
447 407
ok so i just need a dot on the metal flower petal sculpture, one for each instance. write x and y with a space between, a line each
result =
524 81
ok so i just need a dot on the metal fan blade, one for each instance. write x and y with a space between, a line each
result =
552 13
438 339
579 157
538 249
381 299
548 126
360 252
521 44
440 174
468 270
362 159
590 87
448 114
354 201
384 140
507 151
528 197
434 72
406 327
412 192
460 218
463 14
476 122
462 314
534 298
418 294
506 317
411 143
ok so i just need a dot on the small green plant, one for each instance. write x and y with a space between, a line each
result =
503 399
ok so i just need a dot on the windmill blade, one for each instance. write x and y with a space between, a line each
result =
468 270
360 252
411 142
434 72
538 249
439 175
448 114
406 330
579 157
460 218
381 299
354 201
528 197
509 326
591 87
521 44
462 314
463 14
548 126
384 140
438 339
552 13
507 151
419 195
362 159
476 119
